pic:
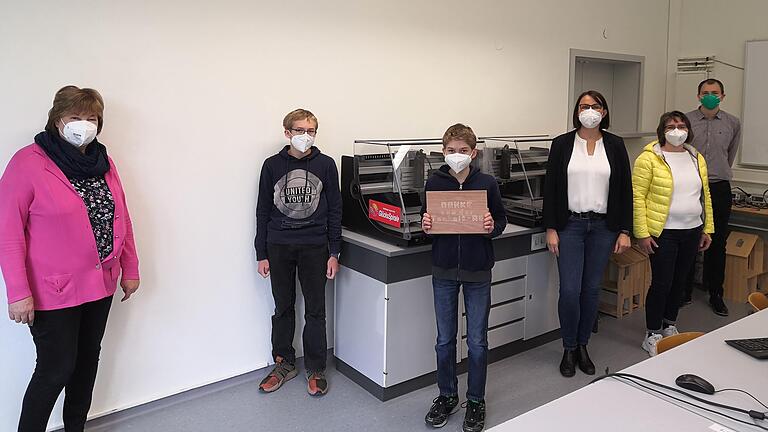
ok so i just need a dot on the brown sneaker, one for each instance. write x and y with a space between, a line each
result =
282 372
317 385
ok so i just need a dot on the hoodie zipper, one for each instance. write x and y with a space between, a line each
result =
458 236
458 262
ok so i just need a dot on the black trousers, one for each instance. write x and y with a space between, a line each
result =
68 343
311 262
670 264
714 257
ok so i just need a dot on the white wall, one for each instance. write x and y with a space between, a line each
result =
195 94
711 27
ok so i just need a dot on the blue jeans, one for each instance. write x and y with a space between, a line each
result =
585 246
477 303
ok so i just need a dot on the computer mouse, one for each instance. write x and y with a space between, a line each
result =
695 383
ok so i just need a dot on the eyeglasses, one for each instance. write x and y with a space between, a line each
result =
668 128
584 107
302 131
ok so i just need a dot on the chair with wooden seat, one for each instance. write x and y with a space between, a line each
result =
670 342
758 300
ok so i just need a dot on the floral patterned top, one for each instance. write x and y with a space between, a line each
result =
101 211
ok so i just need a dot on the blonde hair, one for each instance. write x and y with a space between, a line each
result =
74 100
296 115
460 132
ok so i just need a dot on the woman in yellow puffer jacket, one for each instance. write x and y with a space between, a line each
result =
672 219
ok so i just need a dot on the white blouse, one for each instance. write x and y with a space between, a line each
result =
588 177
685 207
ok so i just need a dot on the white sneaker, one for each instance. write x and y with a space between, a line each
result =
669 331
649 344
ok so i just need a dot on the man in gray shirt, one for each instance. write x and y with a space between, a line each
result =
717 135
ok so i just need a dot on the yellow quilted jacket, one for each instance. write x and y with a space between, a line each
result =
652 191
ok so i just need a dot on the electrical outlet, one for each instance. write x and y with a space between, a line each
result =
538 241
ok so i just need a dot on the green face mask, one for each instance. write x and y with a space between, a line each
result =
710 101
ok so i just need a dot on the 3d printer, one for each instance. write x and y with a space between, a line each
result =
382 187
519 164
382 184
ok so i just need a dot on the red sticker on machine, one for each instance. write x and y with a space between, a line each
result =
384 213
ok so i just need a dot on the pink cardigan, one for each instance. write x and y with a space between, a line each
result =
47 247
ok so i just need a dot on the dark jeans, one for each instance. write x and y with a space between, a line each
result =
714 257
477 303
670 264
585 246
68 342
312 263
689 282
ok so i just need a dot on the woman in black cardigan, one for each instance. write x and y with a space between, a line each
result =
588 215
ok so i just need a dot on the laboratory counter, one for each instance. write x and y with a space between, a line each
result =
384 319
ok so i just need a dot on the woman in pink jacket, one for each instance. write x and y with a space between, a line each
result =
65 238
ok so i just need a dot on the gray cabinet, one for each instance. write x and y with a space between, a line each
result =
411 331
524 295
385 329
542 292
507 305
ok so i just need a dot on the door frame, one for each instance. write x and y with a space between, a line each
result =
578 54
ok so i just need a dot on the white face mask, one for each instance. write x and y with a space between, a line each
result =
676 137
458 161
302 143
80 132
590 118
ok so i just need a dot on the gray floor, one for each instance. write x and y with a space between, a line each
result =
515 385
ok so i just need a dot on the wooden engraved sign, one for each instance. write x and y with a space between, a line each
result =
457 212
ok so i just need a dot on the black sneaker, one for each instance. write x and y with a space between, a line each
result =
686 301
718 306
442 407
474 419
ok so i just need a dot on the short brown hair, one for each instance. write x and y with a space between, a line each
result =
711 81
666 117
605 123
460 132
296 115
74 100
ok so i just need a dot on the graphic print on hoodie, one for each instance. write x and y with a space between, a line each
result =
297 195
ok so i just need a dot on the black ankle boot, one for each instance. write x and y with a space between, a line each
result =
585 364
568 364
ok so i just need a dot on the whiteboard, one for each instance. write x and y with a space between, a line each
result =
754 132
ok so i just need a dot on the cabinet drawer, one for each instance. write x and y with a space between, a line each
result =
508 269
507 291
499 336
506 334
498 315
506 313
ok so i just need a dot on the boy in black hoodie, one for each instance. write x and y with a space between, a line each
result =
462 261
298 227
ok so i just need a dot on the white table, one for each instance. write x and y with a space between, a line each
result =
612 405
